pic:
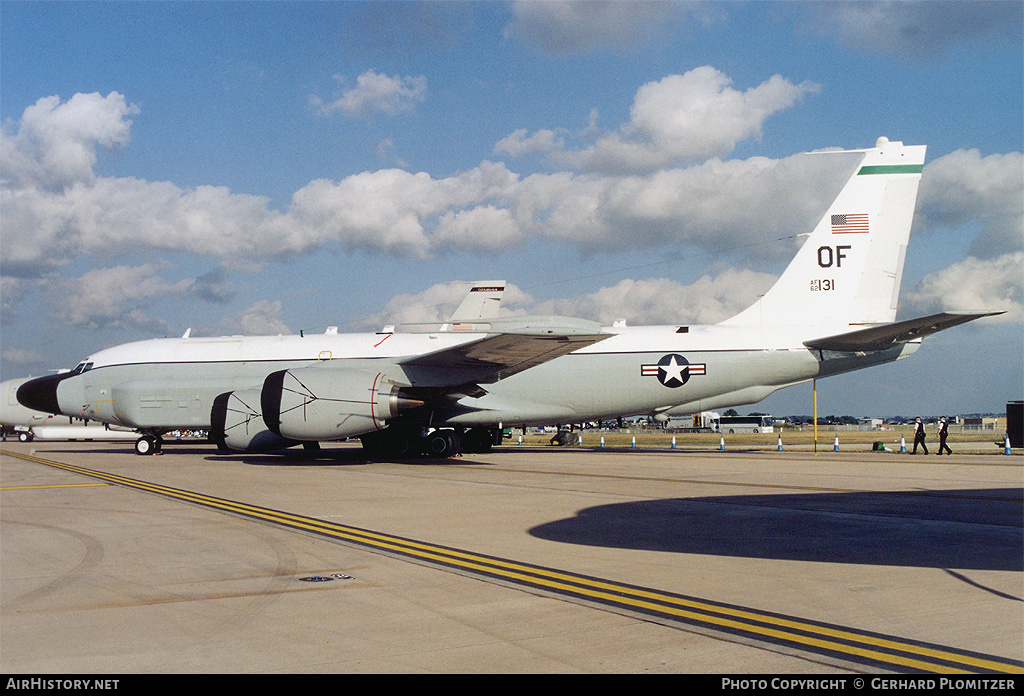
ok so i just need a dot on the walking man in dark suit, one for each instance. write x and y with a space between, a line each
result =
919 436
943 426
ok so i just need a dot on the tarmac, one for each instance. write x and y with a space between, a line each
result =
523 560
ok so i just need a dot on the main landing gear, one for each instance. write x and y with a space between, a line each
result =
438 444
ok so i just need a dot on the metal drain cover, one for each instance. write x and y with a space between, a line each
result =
326 578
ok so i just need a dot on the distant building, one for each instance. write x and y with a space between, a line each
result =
972 423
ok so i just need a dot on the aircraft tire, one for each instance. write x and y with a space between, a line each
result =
24 437
455 440
477 440
401 444
441 444
147 445
372 443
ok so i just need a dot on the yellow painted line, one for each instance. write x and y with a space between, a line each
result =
835 641
65 485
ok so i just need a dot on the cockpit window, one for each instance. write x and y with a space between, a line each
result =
81 367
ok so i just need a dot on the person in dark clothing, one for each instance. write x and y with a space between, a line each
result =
919 436
943 427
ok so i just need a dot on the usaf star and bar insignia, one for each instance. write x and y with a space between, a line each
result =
673 370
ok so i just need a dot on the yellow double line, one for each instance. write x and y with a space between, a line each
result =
830 641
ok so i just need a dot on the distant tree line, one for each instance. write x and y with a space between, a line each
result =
853 420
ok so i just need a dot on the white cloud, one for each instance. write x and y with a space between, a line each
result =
112 297
567 27
974 284
518 143
389 209
22 356
680 118
11 291
652 301
964 189
57 209
484 228
919 29
436 304
56 143
402 213
44 229
715 206
661 301
375 93
262 318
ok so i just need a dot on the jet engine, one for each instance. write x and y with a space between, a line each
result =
236 423
317 403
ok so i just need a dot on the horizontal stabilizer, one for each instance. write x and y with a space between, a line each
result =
887 335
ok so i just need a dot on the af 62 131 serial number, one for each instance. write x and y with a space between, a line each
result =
823 285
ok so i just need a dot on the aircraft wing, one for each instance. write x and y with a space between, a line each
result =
886 335
513 344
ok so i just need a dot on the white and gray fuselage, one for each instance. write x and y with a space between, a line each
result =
172 383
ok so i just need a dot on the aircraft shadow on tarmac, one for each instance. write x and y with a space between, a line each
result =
965 529
327 458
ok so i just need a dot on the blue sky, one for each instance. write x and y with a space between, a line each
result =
276 167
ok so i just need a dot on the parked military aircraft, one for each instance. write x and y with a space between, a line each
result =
482 301
27 424
436 388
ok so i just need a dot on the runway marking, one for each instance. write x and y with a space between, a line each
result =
65 485
761 629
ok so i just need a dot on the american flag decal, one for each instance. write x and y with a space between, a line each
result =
851 223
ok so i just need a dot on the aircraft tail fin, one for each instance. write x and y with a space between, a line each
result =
849 269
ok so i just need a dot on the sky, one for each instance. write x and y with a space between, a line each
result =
263 168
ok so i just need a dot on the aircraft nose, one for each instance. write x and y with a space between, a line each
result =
40 394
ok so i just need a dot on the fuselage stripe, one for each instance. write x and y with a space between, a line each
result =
891 169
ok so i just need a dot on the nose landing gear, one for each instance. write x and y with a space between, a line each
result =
149 444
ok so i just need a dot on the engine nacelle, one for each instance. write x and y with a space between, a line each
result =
237 423
327 403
